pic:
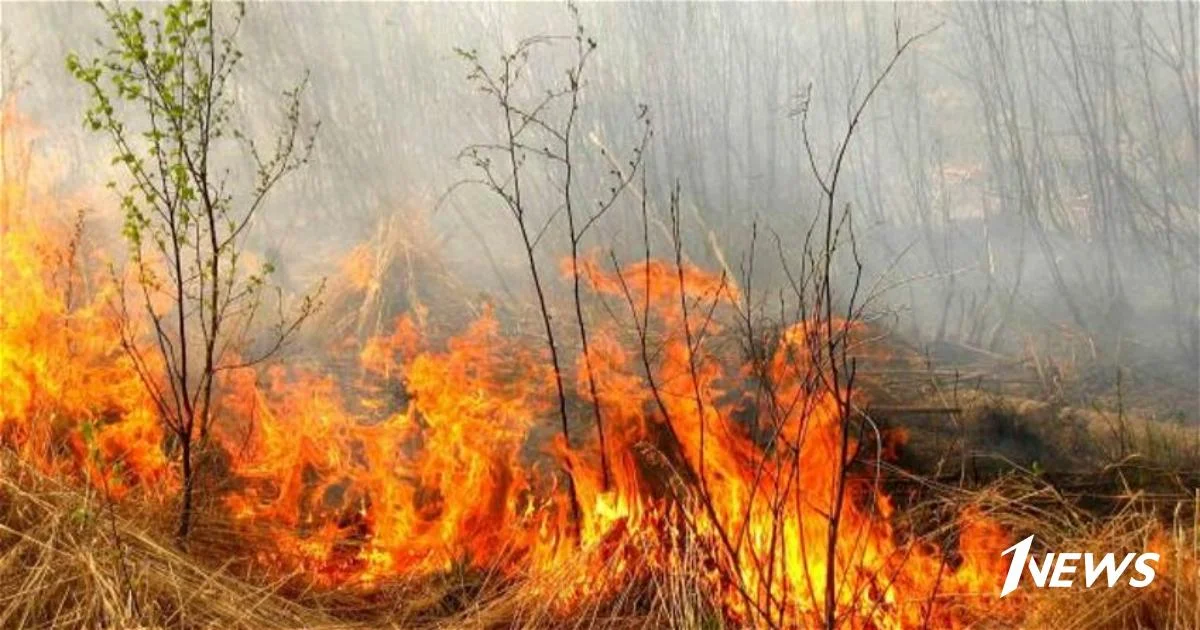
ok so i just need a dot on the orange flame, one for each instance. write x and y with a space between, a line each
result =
465 465
70 400
431 455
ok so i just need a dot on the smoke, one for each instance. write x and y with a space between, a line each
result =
1024 171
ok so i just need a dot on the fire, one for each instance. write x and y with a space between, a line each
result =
463 465
429 455
71 401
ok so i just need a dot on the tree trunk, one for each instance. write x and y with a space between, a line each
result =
185 508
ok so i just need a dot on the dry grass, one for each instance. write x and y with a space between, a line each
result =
399 271
67 560
1028 506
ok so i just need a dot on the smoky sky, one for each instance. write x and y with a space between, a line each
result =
1023 165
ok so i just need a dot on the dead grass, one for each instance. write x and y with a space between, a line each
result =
68 561
1028 506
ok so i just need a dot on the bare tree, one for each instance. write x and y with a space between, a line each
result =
545 129
829 336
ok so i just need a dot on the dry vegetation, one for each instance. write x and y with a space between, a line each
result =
627 442
69 557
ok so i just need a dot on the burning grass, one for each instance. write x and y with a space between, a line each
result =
462 474
424 486
68 558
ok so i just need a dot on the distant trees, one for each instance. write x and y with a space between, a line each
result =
161 92
1076 105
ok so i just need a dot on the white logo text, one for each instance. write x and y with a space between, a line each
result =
1059 570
